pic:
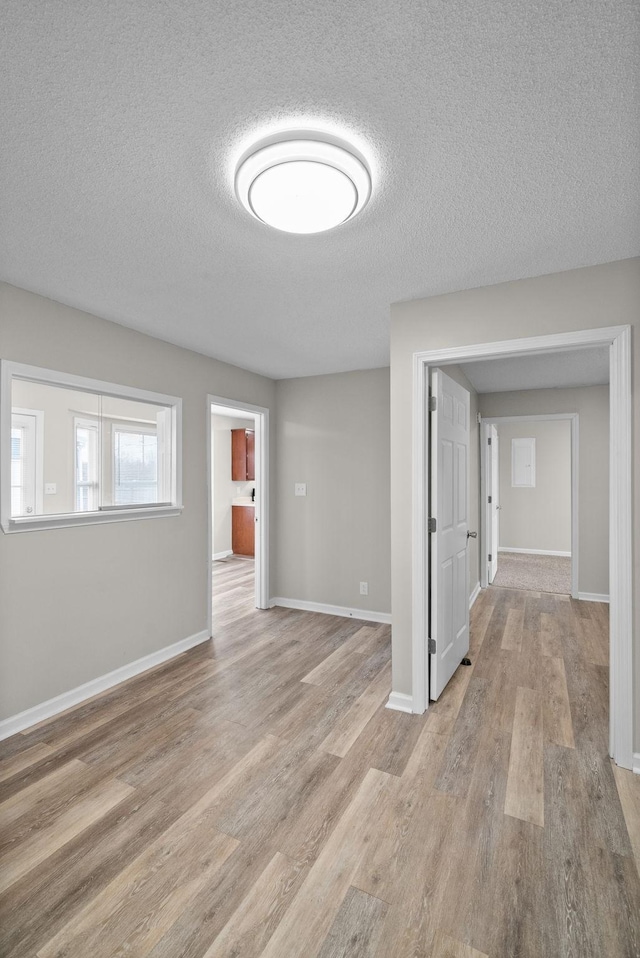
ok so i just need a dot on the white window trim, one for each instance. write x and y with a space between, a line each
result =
10 370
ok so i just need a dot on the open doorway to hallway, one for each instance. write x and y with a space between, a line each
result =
238 528
530 470
611 510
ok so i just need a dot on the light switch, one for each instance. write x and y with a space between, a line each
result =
50 488
300 488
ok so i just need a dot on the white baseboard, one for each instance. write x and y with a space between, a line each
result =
474 595
400 702
592 597
303 606
221 555
534 552
38 713
636 763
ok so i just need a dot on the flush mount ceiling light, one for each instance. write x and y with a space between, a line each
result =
303 185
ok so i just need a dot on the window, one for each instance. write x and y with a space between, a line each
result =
135 465
76 450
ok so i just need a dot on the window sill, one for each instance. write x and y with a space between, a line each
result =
38 523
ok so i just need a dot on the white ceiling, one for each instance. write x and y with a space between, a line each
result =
502 134
230 413
587 366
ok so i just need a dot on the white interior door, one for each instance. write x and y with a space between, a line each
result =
493 485
449 507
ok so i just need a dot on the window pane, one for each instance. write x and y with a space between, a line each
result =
133 449
135 467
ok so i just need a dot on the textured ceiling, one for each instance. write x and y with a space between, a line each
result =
588 366
503 137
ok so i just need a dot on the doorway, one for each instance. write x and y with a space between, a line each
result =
549 479
617 340
237 504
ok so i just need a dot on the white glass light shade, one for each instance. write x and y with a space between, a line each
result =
303 186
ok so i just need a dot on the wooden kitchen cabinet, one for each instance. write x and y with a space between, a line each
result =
243 458
243 530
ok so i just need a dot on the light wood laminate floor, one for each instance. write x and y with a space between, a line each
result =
255 798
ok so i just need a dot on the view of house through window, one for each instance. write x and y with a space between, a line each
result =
80 452
135 461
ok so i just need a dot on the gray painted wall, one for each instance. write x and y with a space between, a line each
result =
606 295
78 603
333 433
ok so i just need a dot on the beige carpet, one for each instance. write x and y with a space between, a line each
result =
518 570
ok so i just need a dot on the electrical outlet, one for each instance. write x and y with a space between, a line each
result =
300 488
364 588
50 488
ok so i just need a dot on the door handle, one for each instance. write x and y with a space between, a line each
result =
472 535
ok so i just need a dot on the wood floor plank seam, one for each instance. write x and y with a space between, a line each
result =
223 806
19 861
525 781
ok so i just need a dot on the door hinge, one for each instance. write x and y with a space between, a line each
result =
489 441
432 646
490 558
432 525
488 498
433 403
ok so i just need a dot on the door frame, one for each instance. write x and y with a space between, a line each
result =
38 469
261 414
486 545
618 339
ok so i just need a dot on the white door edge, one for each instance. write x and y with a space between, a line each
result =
449 541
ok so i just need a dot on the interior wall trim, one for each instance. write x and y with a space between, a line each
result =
217 556
474 595
593 597
400 702
534 552
67 700
303 606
